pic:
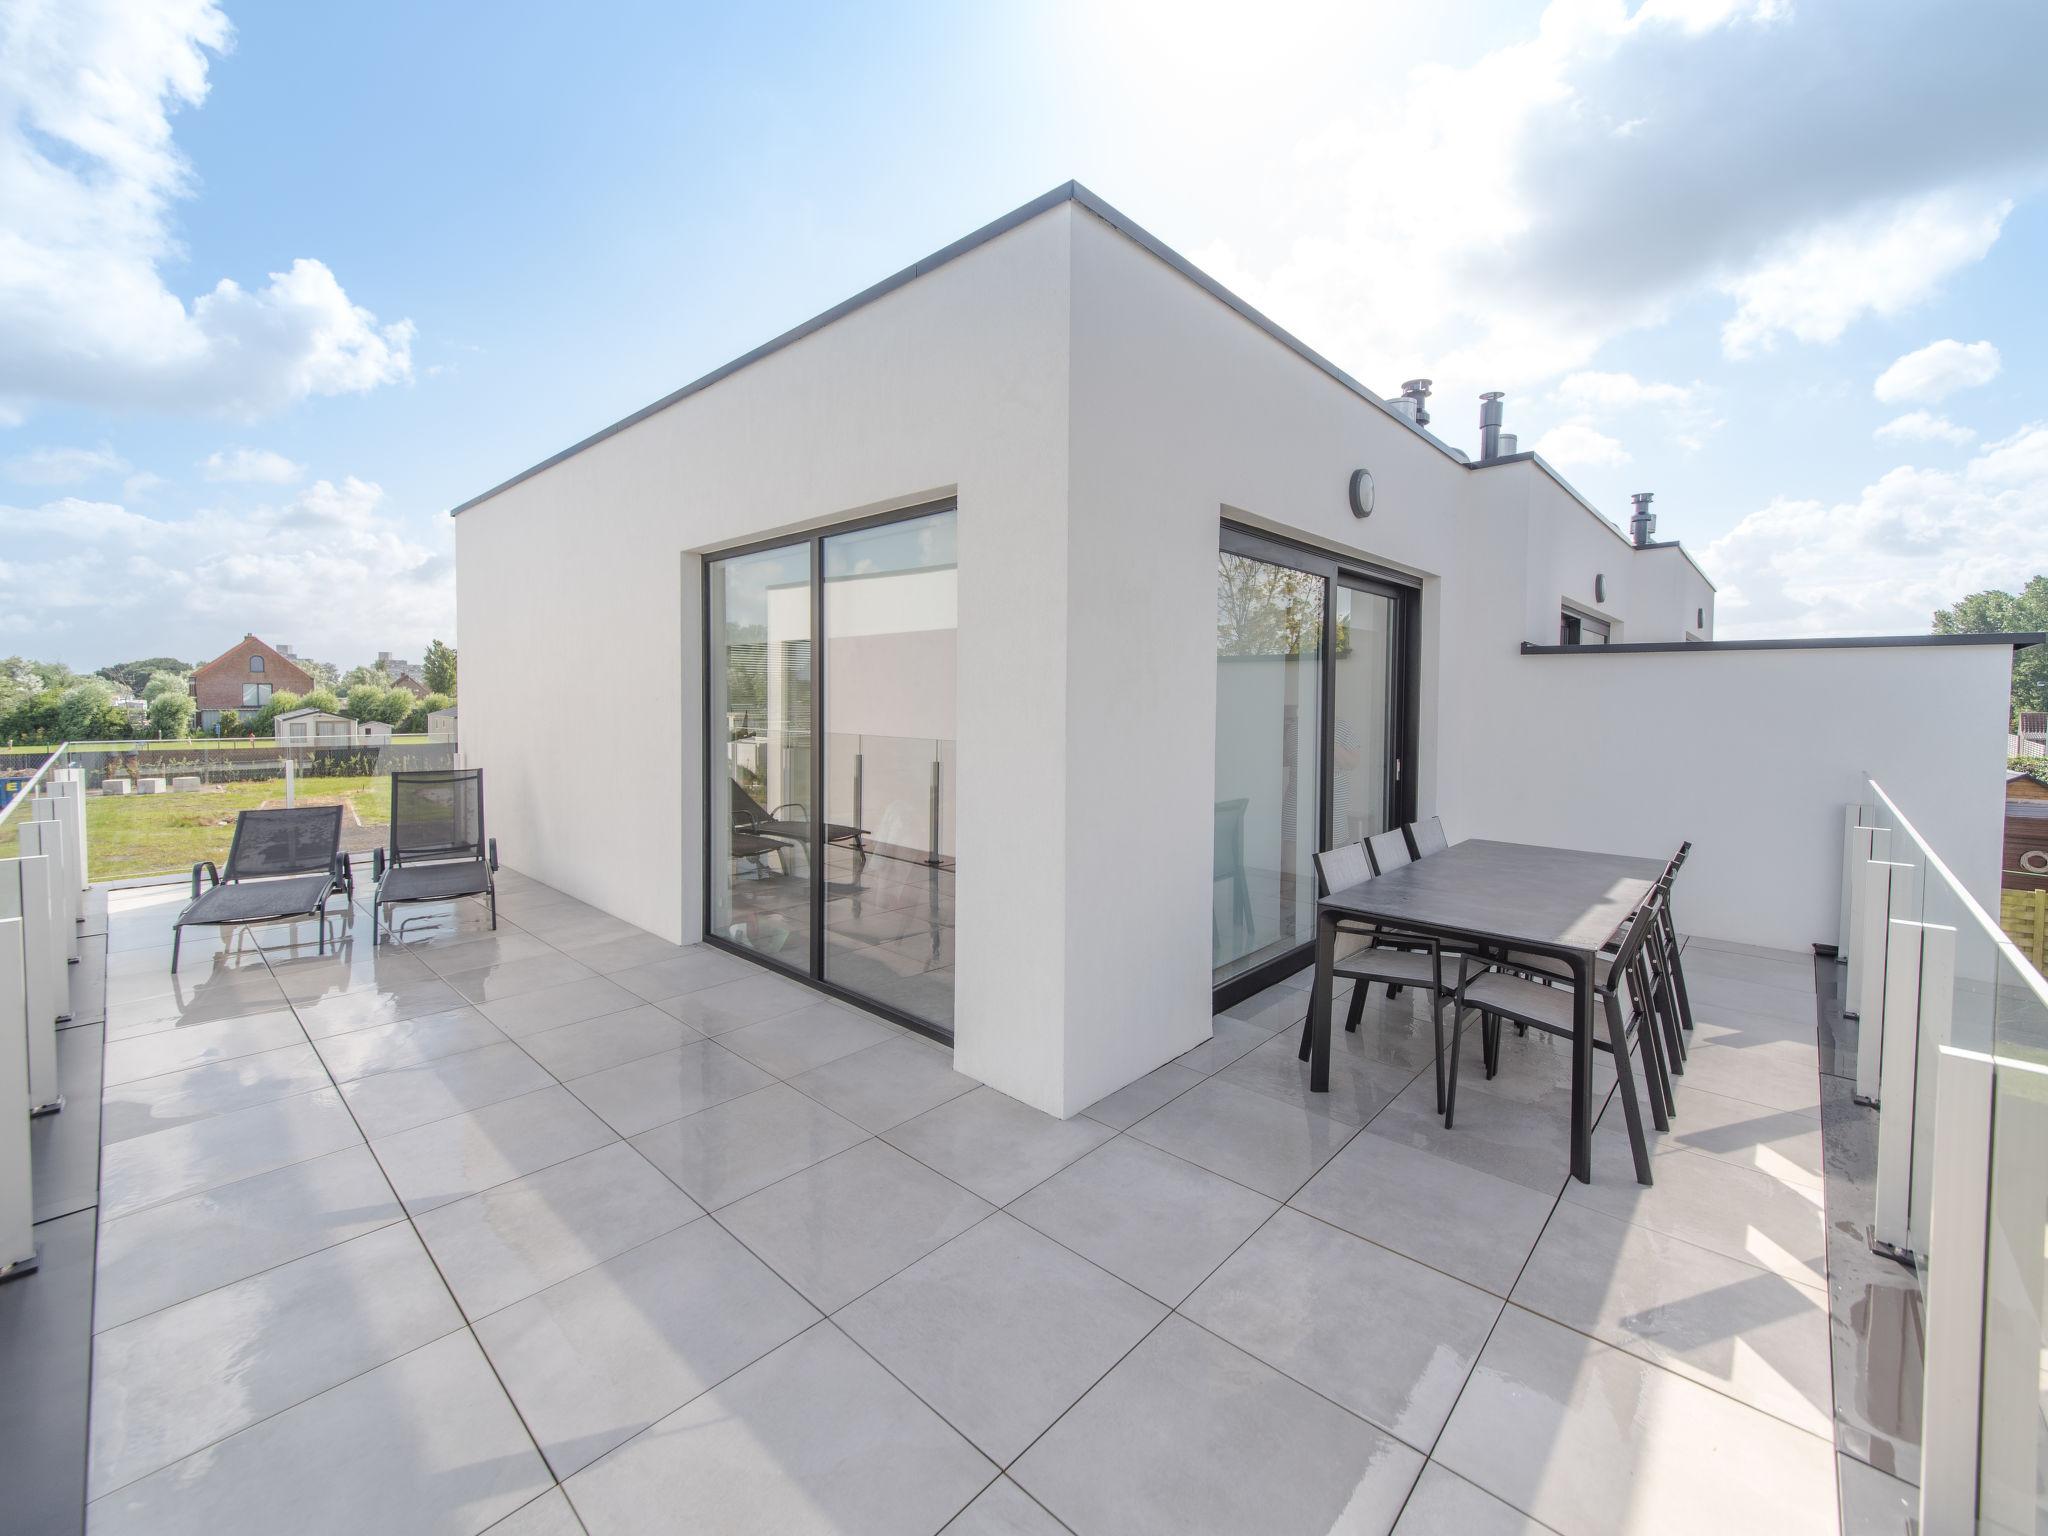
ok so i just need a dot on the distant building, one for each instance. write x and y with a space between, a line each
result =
311 727
441 723
409 675
242 679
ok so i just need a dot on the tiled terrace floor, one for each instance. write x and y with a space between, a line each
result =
567 1229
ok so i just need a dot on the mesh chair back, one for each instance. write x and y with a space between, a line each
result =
1389 850
1337 868
1428 837
1229 844
299 840
1638 932
437 815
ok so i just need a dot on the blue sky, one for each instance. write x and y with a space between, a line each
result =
1687 237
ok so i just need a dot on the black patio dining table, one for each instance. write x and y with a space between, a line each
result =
1560 902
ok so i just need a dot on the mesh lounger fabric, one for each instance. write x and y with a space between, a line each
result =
254 901
434 882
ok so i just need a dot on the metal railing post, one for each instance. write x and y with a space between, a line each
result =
53 840
17 1180
1937 1022
1918 986
933 857
1872 844
1881 880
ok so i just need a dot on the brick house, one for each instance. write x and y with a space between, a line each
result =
242 679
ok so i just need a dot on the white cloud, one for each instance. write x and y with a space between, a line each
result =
1618 391
1682 412
1914 541
1814 284
1578 442
1924 427
257 466
65 466
89 174
1937 371
333 569
1494 223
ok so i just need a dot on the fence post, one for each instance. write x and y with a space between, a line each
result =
1952 1382
17 1184
43 833
291 781
1875 912
1918 998
25 896
69 791
1871 845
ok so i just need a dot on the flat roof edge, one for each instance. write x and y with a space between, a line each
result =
2019 640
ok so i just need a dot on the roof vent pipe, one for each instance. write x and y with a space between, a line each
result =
1510 445
1418 391
1642 527
1489 425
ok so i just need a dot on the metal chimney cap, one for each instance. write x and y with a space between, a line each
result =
1495 394
1416 387
1643 498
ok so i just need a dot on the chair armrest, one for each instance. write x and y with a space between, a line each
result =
377 864
344 873
212 873
803 812
494 855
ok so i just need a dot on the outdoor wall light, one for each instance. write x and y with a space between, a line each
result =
1599 589
1361 493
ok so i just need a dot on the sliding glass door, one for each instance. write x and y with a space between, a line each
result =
831 796
1314 726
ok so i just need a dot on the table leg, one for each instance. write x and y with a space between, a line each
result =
1582 1068
1319 1004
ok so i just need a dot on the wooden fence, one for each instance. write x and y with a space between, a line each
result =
2024 917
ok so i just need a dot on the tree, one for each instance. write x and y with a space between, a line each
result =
366 701
163 682
32 721
1995 612
85 711
416 720
360 677
321 698
230 724
264 721
325 674
133 676
170 714
439 668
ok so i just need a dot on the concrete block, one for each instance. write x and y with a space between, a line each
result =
117 786
149 786
185 781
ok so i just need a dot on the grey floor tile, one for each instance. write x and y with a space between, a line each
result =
427 1444
732 1149
1001 1330
1875 1503
309 979
1781 1074
1189 1435
623 954
1444 1504
1386 1337
1739 1212
639 1095
548 1515
221 1150
1450 1217
447 1159
511 978
406 1043
1742 1330
577 1050
697 968
1524 1143
1150 1217
1591 1440
158 1103
237 996
815 1437
371 1006
844 1226
193 1045
473 947
1246 1136
595 1359
1783 1143
176 1381
809 1037
388 1102
746 999
1004 1509
587 997
995 1145
46 1340
504 1244
884 1085
1135 1100
1361 1083
183 1247
1228 1039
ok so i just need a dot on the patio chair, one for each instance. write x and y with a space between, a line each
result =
438 851
1427 837
282 866
1501 994
1418 963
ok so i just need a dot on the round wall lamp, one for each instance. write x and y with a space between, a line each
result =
1599 589
1361 493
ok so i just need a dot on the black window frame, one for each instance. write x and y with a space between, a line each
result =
814 975
1574 624
1360 575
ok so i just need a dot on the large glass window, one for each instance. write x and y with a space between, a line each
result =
761 724
1269 636
1314 720
850 882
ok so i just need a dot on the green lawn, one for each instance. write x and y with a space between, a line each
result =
196 746
167 834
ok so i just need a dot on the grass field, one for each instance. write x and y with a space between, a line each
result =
196 745
136 835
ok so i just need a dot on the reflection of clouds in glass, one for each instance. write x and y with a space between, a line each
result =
749 578
924 543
